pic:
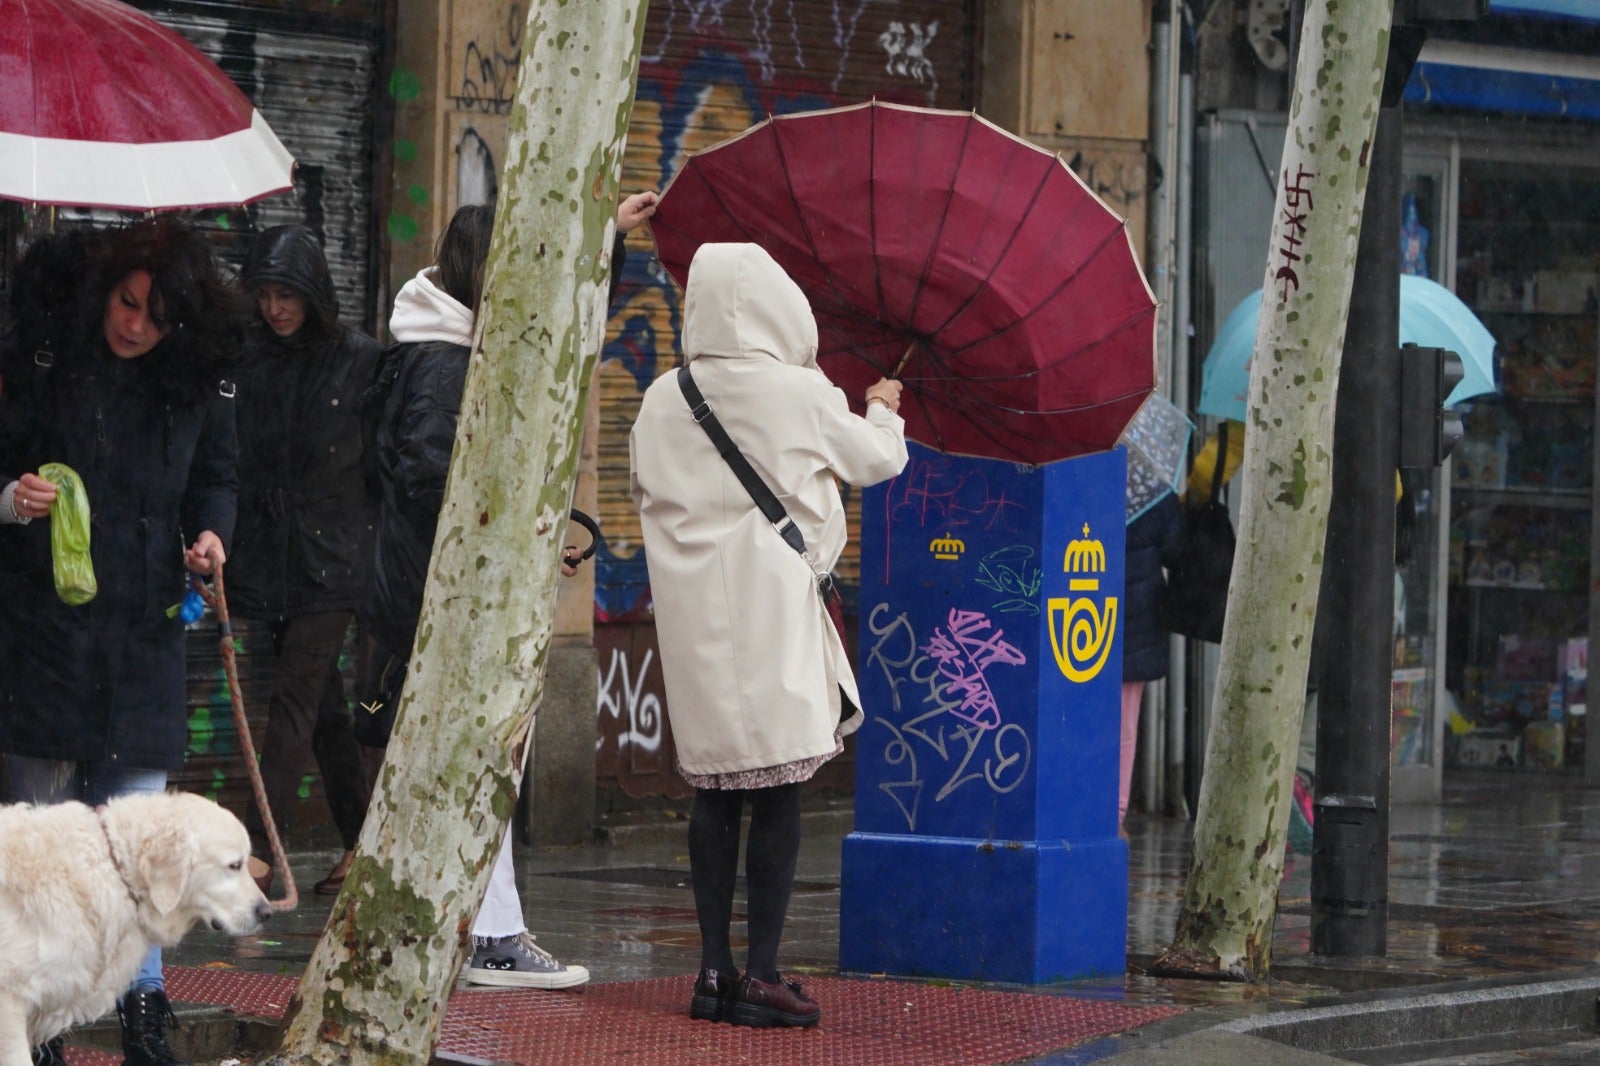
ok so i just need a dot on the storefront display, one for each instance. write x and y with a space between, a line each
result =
1527 260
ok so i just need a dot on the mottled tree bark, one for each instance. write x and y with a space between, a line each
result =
1230 903
377 984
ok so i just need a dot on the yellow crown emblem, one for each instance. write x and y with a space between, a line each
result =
947 547
1084 557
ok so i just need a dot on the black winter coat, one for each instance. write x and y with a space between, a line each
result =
304 541
106 680
419 387
1154 540
415 434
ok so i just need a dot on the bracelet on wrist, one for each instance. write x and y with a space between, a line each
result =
17 516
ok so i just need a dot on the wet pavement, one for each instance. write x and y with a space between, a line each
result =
1496 883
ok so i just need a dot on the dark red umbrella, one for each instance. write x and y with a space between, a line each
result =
937 248
102 106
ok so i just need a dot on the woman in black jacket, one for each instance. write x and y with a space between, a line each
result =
1154 541
124 385
414 407
304 542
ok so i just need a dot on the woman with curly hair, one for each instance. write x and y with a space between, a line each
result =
122 382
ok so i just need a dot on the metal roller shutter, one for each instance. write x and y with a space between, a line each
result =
313 72
707 72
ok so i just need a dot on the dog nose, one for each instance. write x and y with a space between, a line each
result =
263 911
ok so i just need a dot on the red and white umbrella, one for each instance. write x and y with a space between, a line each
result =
102 106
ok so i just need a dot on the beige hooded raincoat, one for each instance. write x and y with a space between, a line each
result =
752 665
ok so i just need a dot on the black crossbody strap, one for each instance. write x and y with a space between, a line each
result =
758 490
1222 461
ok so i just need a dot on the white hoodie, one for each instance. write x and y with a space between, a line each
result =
424 312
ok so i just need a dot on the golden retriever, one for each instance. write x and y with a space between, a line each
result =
85 893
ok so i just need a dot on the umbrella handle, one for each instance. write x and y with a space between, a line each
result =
594 535
904 359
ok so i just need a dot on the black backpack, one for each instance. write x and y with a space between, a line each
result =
1196 598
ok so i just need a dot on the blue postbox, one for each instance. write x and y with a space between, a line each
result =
990 666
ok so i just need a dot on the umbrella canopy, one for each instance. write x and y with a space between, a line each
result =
102 106
939 249
1157 440
1430 315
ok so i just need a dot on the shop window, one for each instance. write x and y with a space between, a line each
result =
1528 263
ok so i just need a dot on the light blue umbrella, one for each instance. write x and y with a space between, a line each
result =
1430 315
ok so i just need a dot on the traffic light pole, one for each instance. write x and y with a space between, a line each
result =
1354 631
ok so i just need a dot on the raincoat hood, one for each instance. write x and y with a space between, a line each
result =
739 303
292 256
424 312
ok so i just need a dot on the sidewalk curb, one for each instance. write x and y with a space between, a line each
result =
1461 1011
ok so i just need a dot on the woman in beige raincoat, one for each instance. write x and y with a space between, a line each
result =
753 666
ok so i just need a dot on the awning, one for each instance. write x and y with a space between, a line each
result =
1513 80
1582 10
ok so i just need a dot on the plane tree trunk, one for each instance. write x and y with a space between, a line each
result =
377 984
1230 902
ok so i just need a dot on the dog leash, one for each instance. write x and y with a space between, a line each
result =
219 606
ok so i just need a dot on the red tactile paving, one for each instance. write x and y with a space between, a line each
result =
864 1022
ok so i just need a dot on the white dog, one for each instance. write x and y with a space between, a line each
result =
85 893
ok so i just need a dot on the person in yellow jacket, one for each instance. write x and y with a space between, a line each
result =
1204 467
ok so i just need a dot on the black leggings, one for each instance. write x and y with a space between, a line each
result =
769 866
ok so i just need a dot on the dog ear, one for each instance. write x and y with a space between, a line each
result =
165 864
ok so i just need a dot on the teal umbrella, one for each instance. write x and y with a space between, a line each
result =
1430 315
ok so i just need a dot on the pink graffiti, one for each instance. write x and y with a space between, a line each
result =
934 493
963 653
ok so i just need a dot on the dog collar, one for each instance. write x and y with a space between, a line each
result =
111 850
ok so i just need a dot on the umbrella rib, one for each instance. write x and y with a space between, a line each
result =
1011 238
976 412
983 417
938 233
799 213
1128 323
872 206
1053 294
691 165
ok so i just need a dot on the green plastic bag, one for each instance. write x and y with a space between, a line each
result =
69 535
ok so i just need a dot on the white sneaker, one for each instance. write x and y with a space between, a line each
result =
517 962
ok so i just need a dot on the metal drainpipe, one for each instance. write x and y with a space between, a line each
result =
1159 266
1173 802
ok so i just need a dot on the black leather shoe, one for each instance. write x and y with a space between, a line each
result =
145 1016
713 994
51 1052
764 1005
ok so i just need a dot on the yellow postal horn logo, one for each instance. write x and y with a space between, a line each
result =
1083 623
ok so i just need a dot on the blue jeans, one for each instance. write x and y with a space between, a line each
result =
53 781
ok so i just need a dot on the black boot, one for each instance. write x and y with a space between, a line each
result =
145 1017
51 1053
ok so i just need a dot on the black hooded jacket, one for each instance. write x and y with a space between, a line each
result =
304 539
